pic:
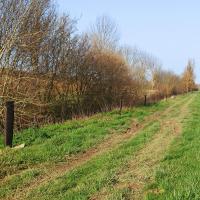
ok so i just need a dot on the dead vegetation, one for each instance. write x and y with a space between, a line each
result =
52 73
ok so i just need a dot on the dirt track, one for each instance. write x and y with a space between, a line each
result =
140 169
142 164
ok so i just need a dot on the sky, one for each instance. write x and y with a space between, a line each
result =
167 29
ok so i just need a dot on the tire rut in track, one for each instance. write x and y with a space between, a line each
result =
140 169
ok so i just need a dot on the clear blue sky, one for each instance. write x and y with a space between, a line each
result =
168 29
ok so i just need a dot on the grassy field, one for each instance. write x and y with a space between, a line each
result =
143 153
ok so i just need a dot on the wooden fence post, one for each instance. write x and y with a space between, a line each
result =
9 123
145 100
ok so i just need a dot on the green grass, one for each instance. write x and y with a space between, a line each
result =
178 176
13 182
88 179
123 191
53 143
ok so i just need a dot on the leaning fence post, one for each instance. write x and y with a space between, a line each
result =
9 123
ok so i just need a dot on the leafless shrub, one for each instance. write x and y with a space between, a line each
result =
53 74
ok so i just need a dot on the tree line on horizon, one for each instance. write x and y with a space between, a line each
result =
53 73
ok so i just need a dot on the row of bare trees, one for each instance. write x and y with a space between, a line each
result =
52 73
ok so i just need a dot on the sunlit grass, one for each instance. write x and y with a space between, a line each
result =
178 176
51 144
91 177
